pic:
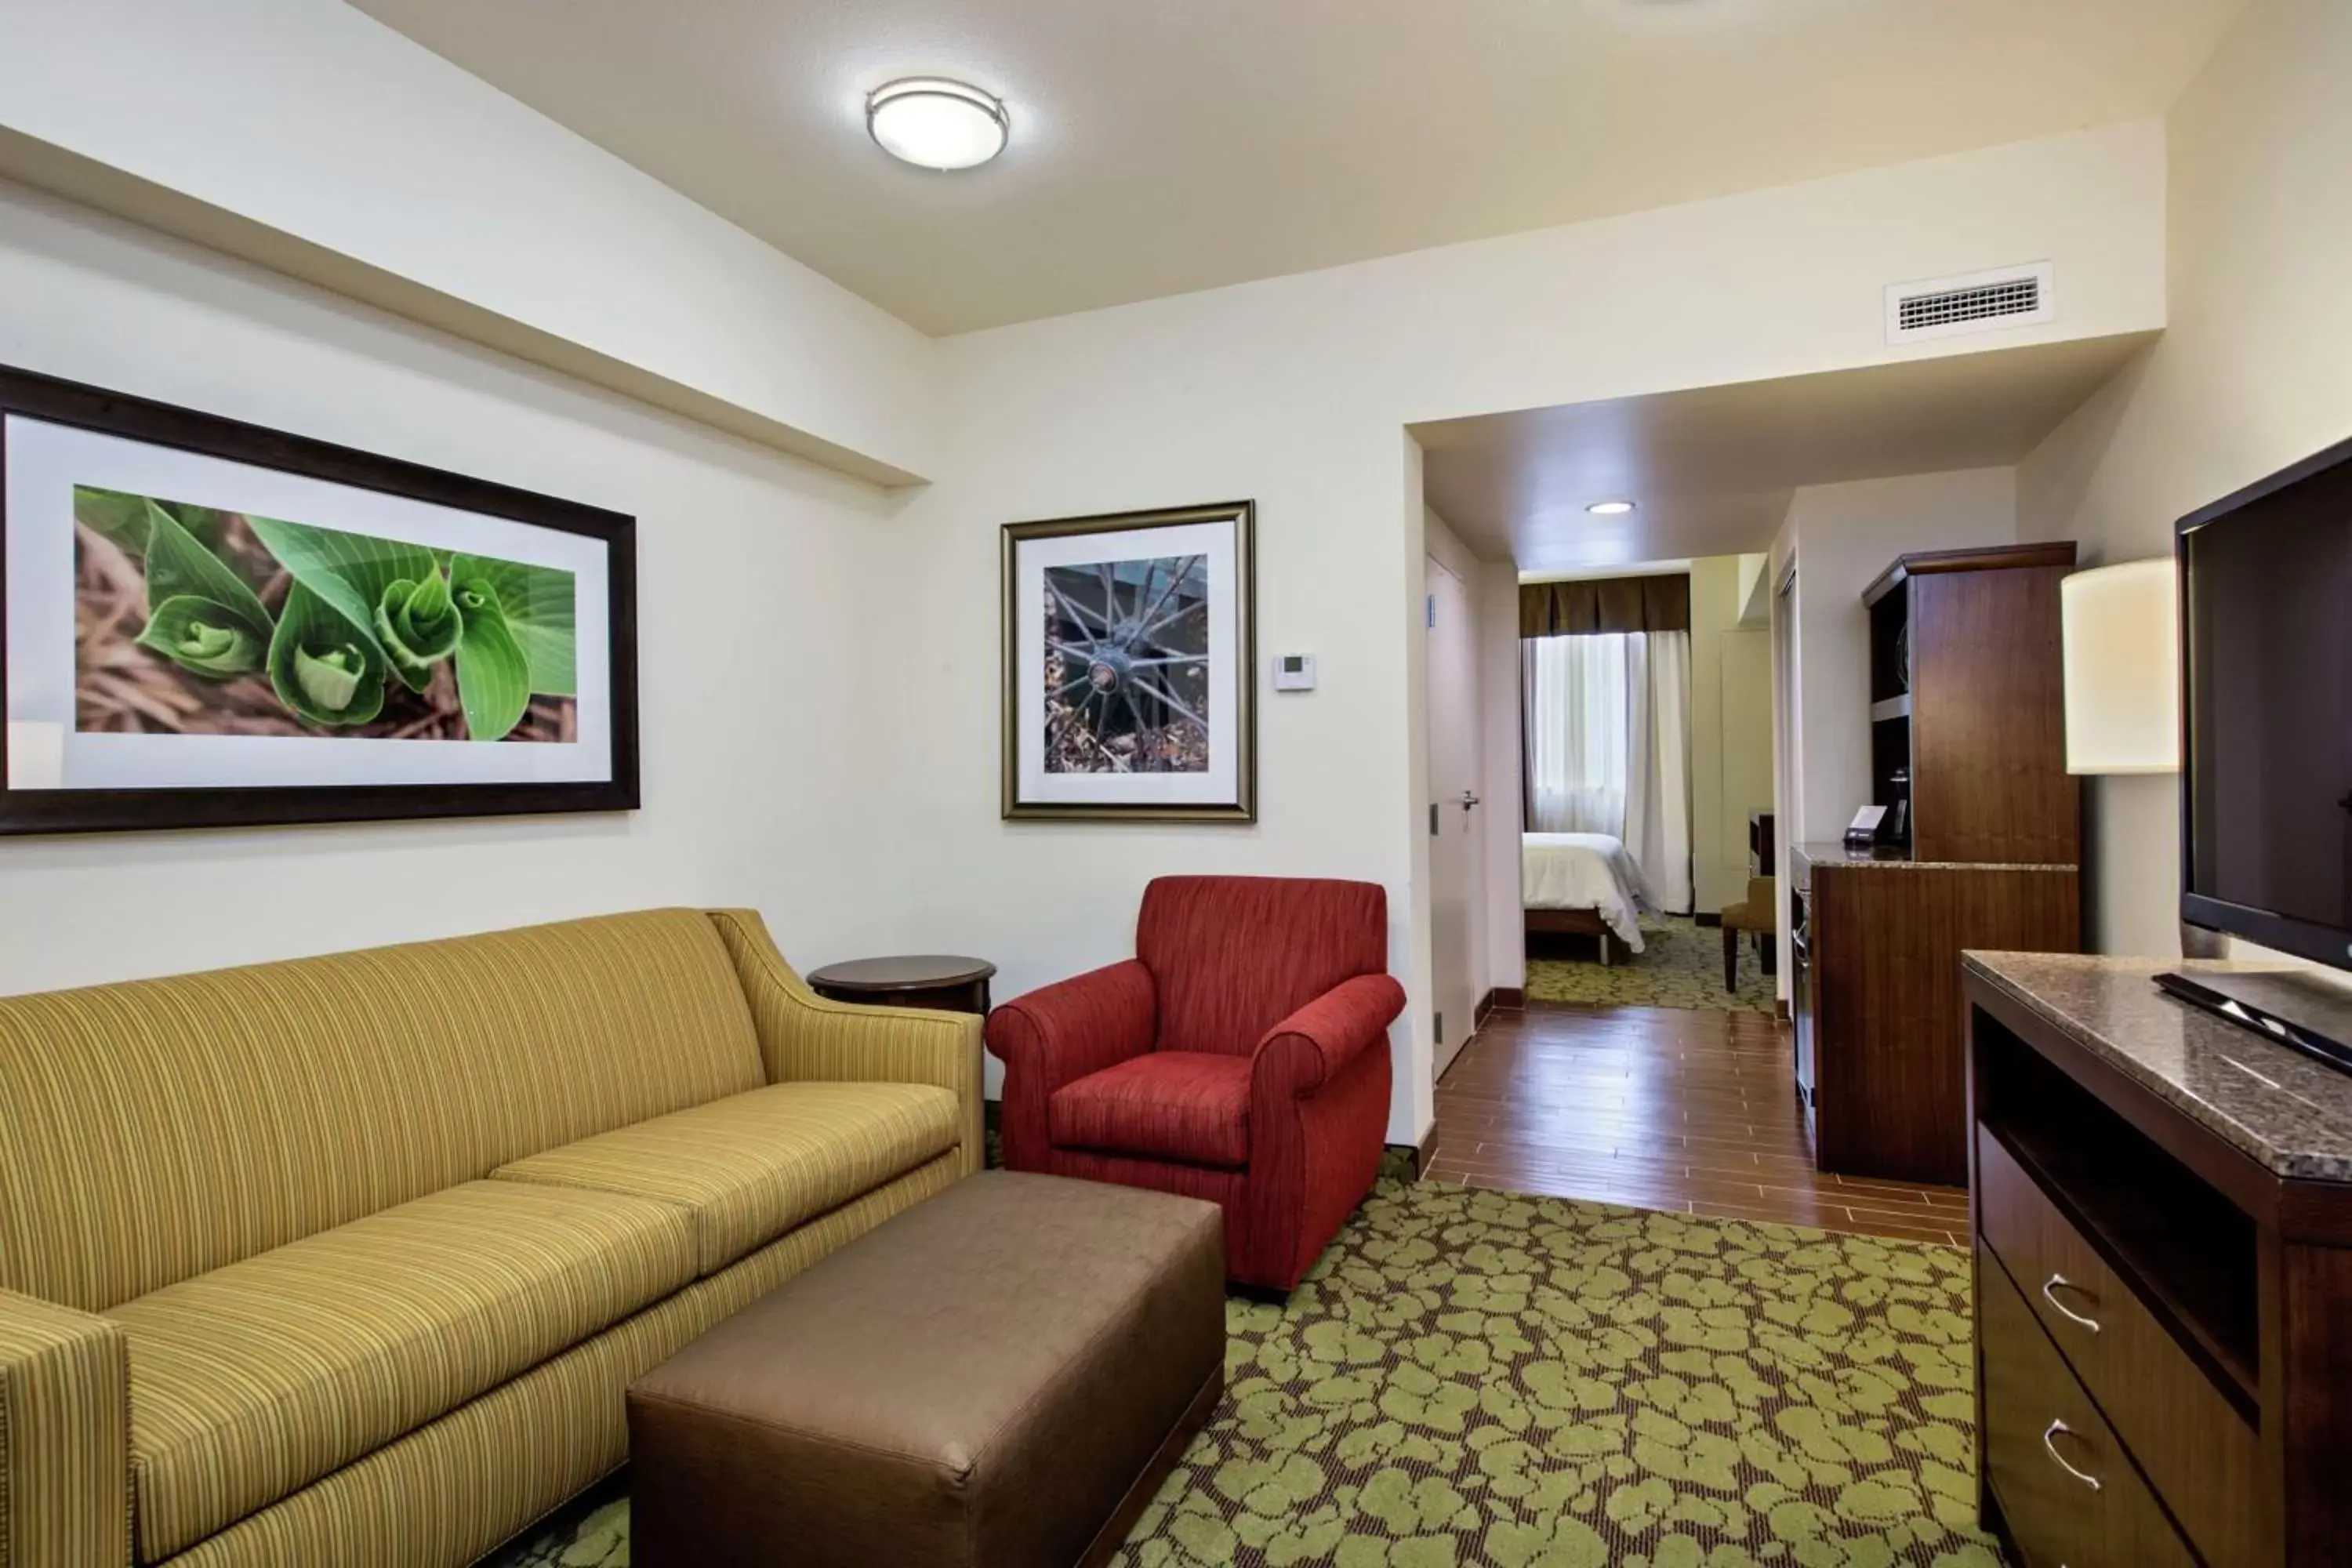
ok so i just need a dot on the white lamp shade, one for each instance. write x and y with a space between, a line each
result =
2123 668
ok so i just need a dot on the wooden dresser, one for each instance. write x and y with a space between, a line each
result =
1874 996
2163 1220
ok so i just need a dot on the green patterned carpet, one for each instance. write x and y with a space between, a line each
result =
1472 1377
1681 967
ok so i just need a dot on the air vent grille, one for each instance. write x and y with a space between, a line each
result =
1984 301
2017 297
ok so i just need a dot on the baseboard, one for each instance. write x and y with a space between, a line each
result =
1498 999
1714 920
1781 1008
1419 1154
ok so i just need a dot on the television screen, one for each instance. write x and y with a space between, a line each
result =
2267 643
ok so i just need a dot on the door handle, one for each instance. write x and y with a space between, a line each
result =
1468 800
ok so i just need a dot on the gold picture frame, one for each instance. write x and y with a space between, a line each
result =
1130 667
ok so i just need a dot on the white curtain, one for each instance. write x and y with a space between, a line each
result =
1580 735
1608 736
1657 789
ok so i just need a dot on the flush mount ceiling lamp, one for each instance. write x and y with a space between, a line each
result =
935 124
1610 507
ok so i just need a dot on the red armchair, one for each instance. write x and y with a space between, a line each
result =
1241 1056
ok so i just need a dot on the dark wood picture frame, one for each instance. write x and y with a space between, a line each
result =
65 403
1243 808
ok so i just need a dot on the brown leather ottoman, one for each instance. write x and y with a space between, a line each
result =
998 1378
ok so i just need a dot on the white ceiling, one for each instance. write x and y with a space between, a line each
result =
1159 148
1711 470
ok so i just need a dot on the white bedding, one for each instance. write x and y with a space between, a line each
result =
1584 871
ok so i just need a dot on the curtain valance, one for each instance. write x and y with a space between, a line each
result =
1604 604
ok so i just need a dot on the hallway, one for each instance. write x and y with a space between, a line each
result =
1657 1107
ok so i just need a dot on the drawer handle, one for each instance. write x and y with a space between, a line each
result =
2059 1281
2051 1431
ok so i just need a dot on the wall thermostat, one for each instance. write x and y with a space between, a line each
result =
1294 672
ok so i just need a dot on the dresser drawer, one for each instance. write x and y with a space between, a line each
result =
2066 1486
2198 1452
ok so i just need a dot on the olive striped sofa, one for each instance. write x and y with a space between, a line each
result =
348 1261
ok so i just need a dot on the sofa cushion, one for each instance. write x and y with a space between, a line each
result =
155 1129
751 1166
1178 1105
255 1379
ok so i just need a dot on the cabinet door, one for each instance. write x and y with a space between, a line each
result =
1989 780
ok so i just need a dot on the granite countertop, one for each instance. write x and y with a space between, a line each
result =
1829 852
2289 1113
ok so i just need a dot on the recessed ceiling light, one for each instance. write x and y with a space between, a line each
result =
936 123
1610 507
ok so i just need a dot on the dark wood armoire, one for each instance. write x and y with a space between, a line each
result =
1968 745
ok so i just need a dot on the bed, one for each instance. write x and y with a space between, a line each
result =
1583 884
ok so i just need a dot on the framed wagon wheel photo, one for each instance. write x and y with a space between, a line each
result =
1128 656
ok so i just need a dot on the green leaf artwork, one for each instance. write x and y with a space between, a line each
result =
493 673
369 636
323 664
122 517
349 571
194 634
536 603
216 627
419 625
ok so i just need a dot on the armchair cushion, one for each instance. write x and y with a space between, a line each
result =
1059 1034
1232 956
1191 1106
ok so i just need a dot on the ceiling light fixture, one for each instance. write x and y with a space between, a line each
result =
1610 507
935 124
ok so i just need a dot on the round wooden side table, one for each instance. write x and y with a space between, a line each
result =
938 981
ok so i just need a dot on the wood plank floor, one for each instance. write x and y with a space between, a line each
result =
1662 1108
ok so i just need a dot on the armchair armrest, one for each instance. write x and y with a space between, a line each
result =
1060 1033
805 1037
65 1437
1306 1049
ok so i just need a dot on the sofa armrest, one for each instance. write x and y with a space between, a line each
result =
1308 1049
65 1437
805 1037
1060 1033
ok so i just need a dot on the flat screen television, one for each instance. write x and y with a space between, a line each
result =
2266 706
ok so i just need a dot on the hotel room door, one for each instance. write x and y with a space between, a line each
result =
1451 740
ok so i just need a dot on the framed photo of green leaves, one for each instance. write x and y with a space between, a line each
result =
207 624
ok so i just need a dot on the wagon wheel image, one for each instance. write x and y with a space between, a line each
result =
1126 666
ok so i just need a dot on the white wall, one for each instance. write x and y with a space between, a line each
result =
1845 536
313 122
1293 392
1498 688
2254 373
750 682
1731 729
